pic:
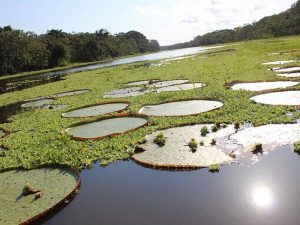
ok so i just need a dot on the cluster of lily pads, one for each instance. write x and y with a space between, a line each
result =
137 88
192 146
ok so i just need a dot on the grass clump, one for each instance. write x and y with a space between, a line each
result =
193 144
204 131
214 168
214 128
160 140
297 147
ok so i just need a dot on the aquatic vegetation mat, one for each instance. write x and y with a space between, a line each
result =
95 110
107 127
261 86
181 108
278 98
27 195
35 135
2 133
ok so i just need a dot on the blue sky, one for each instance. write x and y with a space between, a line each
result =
168 21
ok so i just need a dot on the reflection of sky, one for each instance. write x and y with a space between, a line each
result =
262 196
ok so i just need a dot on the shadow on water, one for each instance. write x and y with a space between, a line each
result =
9 110
18 84
125 193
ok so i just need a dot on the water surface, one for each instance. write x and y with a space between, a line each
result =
125 193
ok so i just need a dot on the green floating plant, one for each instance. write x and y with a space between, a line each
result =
160 140
193 144
214 168
204 131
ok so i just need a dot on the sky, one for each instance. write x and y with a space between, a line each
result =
168 21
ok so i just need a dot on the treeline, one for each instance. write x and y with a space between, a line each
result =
283 24
26 51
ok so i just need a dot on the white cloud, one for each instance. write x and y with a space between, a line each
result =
182 20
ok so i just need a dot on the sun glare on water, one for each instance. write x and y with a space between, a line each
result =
262 196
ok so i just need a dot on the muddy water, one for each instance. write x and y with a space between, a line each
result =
125 193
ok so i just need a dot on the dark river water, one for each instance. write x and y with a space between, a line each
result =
20 83
125 193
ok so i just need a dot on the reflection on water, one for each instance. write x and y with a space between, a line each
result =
125 193
262 196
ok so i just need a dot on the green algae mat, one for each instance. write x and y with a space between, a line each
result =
55 184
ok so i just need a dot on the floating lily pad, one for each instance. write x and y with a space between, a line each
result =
260 86
70 93
96 110
126 92
279 98
37 104
177 154
57 184
279 62
141 82
270 136
169 83
55 107
181 108
288 74
107 127
180 87
288 69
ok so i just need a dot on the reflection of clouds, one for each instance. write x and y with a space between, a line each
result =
262 196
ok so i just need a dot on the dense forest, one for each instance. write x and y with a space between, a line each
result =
283 24
26 51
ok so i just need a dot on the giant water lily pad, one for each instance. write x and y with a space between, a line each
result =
278 98
37 103
70 93
288 74
177 154
55 183
288 69
125 92
107 127
260 86
270 136
96 110
279 62
169 83
141 82
180 87
181 108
